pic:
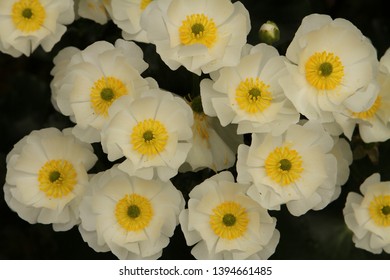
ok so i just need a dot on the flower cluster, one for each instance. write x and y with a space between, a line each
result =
299 111
86 83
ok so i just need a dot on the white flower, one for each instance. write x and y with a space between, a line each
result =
201 35
26 24
373 123
368 216
249 94
46 177
153 132
96 10
213 146
126 14
225 223
296 168
132 217
86 83
332 68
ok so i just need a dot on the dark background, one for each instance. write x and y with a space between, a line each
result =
25 106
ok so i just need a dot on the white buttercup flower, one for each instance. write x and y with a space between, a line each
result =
332 67
132 217
126 14
225 223
368 216
27 24
46 177
296 168
373 123
96 10
201 35
213 146
249 94
86 83
153 132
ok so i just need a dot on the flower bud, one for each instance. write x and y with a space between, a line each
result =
269 33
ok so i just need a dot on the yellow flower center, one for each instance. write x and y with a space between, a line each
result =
229 220
198 29
144 4
284 165
370 113
57 178
252 96
133 212
380 210
28 15
149 137
324 71
104 92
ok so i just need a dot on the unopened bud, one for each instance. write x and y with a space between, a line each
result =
269 33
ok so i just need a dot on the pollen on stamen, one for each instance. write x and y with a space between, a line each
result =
371 112
324 70
144 4
134 212
57 178
28 15
149 137
198 29
229 220
104 92
379 210
284 166
253 95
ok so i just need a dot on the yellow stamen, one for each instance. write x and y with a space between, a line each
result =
380 210
370 113
104 92
229 220
134 212
324 71
284 165
57 178
28 15
198 29
144 4
252 95
149 137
